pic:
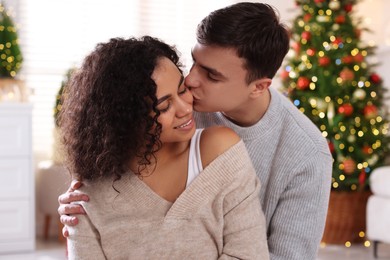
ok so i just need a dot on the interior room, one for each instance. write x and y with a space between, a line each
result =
55 36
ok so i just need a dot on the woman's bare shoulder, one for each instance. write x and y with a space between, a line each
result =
216 140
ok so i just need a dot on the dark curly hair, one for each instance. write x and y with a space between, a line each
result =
107 115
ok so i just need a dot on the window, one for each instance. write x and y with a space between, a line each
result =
56 35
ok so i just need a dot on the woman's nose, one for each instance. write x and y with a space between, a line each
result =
184 108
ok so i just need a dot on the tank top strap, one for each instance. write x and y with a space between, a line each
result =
194 160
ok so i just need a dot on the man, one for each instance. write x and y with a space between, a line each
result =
238 51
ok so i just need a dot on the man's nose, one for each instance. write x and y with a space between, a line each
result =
191 81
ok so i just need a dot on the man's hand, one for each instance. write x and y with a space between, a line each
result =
65 209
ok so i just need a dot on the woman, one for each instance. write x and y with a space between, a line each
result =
158 188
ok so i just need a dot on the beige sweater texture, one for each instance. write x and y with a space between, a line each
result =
217 217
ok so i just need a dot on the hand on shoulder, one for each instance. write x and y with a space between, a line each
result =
216 140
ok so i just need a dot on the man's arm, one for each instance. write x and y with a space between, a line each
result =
66 208
296 228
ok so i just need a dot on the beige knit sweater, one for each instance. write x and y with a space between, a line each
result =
217 217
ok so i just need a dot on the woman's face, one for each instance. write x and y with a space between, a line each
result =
174 103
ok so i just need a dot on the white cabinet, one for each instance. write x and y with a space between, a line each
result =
17 196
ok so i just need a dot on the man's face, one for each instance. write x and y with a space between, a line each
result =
217 79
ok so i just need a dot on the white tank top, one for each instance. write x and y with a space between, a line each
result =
194 160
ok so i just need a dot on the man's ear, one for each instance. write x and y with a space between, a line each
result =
259 86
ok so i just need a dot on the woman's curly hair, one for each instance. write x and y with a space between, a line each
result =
107 116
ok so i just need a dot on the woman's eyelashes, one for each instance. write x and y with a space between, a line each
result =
181 91
166 108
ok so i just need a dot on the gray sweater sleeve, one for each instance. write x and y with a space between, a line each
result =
296 228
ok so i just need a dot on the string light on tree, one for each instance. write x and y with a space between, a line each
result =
10 54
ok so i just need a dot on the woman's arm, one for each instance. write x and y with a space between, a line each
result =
244 234
84 241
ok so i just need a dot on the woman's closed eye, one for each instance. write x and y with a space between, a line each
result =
182 90
166 106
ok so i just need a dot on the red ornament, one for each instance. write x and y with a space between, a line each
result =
349 166
347 74
307 17
348 8
370 111
358 57
331 146
338 40
347 59
358 33
346 109
311 52
324 61
296 47
375 78
284 74
306 35
340 19
303 83
362 177
366 149
319 1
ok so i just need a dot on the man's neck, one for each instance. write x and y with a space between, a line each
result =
250 113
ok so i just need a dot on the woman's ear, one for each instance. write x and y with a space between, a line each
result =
259 86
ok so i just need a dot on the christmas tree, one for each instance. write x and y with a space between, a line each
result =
330 79
59 97
10 55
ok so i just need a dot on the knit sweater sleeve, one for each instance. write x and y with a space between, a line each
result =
296 227
244 231
84 241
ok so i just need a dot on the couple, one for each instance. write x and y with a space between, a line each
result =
131 139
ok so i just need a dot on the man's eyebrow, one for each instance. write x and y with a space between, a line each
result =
208 69
162 99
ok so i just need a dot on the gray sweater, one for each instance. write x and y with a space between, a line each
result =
217 217
294 165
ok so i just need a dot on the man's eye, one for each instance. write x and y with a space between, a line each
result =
210 77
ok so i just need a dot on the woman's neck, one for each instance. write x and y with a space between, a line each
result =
167 154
